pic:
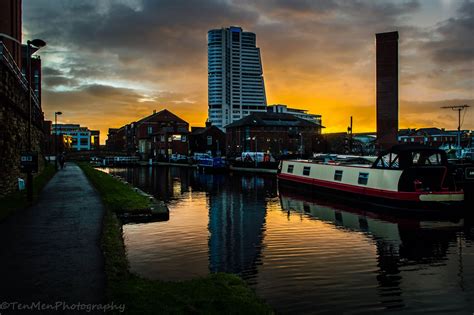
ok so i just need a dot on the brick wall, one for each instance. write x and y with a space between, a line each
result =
14 130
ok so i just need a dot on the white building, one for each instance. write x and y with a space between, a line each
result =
235 76
81 136
300 113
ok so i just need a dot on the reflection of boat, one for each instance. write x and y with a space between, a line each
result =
208 162
381 225
407 176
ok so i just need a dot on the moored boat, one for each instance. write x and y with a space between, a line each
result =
406 176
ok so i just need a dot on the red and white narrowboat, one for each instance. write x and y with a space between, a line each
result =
407 176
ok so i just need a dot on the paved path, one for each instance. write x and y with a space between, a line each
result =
51 251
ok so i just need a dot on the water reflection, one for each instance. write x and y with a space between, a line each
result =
301 254
413 243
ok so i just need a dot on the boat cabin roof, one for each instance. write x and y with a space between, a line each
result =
411 155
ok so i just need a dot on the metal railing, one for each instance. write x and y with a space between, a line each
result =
8 61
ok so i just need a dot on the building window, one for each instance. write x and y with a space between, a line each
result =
150 130
209 140
183 139
363 178
290 168
338 175
162 138
84 141
306 170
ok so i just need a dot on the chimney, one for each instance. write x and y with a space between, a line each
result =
208 124
154 111
387 89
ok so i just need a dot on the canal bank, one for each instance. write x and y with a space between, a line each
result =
216 293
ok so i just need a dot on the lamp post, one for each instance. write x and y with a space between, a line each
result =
256 150
301 145
56 135
36 43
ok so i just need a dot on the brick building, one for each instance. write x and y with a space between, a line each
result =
275 133
435 137
209 139
11 24
159 135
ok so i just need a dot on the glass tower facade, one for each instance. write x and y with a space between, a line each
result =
235 76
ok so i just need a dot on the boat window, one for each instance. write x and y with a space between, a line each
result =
338 175
306 170
434 159
290 168
415 157
426 159
390 160
363 178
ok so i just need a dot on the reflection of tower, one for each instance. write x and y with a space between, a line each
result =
236 224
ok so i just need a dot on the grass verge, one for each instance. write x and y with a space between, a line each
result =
216 294
17 200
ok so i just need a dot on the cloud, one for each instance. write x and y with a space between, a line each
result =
120 59
453 43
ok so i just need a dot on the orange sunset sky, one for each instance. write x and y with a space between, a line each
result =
109 63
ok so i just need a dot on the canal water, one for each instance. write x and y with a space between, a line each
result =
301 254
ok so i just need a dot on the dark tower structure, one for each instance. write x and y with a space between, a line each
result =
387 89
10 24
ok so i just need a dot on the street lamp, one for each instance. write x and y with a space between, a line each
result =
56 135
36 43
301 145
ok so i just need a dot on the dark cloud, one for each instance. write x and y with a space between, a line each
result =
454 43
315 53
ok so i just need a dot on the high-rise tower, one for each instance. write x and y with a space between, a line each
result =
235 76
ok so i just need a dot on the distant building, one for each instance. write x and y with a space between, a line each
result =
209 139
81 136
387 88
161 135
55 143
95 139
111 142
235 76
157 136
275 133
35 71
301 113
435 137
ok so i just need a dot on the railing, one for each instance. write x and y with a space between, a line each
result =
8 60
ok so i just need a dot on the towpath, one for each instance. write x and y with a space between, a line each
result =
50 252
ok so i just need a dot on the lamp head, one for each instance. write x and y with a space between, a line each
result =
37 42
58 113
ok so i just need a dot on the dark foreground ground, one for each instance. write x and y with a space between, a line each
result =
50 252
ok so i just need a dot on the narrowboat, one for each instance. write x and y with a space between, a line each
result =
406 176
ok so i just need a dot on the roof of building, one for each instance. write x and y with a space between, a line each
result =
273 119
195 131
164 114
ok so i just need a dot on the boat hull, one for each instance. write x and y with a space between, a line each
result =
416 201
